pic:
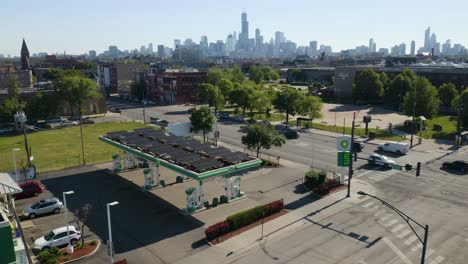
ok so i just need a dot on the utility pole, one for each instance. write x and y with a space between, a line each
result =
461 111
20 119
351 152
412 121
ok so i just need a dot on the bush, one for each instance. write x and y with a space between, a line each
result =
78 244
223 199
247 217
322 175
50 256
217 230
163 183
93 243
179 179
215 202
66 259
274 207
206 204
311 178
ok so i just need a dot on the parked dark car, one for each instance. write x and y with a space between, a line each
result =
30 189
456 165
358 146
223 115
291 134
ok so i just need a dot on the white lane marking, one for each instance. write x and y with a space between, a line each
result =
429 253
438 260
385 217
362 262
398 228
411 240
404 233
417 247
390 223
397 251
368 204
379 212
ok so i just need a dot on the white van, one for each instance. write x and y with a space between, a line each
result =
396 147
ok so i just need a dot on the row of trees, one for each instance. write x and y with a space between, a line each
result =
402 91
231 86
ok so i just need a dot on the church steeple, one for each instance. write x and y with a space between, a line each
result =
25 57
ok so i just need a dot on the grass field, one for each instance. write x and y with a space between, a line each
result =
60 148
449 128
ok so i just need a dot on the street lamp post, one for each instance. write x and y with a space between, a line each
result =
69 247
351 152
14 164
461 111
412 120
110 244
407 220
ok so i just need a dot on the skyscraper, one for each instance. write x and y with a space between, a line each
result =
313 47
413 48
402 49
161 51
427 41
113 52
150 48
204 43
176 43
244 35
92 54
372 46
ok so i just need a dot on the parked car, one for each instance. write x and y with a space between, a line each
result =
155 120
70 123
30 189
223 115
251 121
376 159
459 165
396 147
238 118
45 206
264 123
358 146
56 119
291 134
58 237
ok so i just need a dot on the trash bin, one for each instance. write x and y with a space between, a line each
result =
371 135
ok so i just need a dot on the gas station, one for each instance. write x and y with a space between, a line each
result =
187 157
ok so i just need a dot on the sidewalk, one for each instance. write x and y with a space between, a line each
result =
282 226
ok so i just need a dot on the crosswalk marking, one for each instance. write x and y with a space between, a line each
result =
404 233
398 228
379 212
429 253
411 240
438 260
390 223
368 204
385 217
417 247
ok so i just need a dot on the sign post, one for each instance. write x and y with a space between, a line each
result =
343 145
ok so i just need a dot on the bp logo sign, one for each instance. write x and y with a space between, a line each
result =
344 143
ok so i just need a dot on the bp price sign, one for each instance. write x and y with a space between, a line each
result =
343 143
344 158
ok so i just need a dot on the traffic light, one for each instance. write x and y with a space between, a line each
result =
355 156
408 167
390 127
418 169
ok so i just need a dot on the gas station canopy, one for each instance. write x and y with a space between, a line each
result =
186 156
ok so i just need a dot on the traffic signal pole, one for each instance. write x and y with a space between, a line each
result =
351 153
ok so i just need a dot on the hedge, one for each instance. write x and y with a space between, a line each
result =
242 219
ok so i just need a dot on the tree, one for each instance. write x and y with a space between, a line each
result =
202 120
311 106
211 94
53 74
260 101
269 74
14 87
385 80
85 65
43 106
288 101
427 102
138 90
225 86
460 103
298 75
214 76
447 92
241 96
368 86
8 108
81 217
259 136
75 90
396 90
256 74
236 74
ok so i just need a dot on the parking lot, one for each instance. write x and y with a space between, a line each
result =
144 229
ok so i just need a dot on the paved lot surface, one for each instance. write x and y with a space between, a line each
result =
144 229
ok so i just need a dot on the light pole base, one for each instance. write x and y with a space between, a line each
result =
70 249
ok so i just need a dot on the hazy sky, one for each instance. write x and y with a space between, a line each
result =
79 26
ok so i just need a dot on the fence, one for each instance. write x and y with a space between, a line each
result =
262 155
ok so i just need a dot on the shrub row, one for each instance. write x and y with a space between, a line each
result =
315 179
241 219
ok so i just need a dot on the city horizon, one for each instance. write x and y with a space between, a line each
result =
230 23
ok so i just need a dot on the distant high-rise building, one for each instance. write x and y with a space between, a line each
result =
176 43
244 35
402 49
427 40
25 57
161 52
313 47
113 52
372 46
446 47
142 49
150 49
258 39
204 43
92 54
413 48
383 51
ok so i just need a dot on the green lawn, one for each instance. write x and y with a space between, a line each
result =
449 127
60 148
379 133
273 117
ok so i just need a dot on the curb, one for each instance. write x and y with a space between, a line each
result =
89 255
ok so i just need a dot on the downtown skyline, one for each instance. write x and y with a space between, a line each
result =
103 31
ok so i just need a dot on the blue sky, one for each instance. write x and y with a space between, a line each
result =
78 26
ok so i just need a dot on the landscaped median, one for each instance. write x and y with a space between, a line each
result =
317 183
56 255
243 221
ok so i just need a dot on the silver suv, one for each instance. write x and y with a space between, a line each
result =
45 206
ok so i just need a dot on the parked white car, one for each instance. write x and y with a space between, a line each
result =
45 206
58 237
396 147
376 159
70 123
